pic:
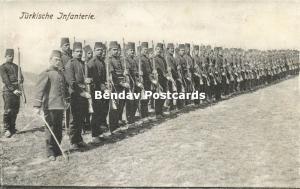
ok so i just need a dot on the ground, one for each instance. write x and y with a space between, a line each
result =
249 140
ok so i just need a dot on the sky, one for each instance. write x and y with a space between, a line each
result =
246 24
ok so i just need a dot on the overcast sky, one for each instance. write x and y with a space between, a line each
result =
246 24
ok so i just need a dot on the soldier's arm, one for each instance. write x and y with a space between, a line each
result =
40 89
5 79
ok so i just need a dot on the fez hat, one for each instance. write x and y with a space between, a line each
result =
130 45
87 48
64 40
55 53
160 45
144 44
118 45
113 44
181 46
99 45
196 47
170 46
187 45
9 52
77 45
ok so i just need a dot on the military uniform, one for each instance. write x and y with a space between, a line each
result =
9 75
96 71
74 72
52 95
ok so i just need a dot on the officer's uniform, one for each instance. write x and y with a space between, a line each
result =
9 75
52 95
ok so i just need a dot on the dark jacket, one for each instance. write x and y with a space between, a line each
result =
9 75
51 90
97 71
74 73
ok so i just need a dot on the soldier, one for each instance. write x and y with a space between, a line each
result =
52 96
132 65
65 50
74 72
187 70
147 77
172 73
88 55
96 70
160 81
11 92
118 74
196 71
181 67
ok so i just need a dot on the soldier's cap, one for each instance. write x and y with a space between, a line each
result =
99 45
64 40
160 45
170 45
130 45
218 48
196 47
208 47
119 46
113 45
144 44
187 45
87 48
181 46
77 45
55 53
9 52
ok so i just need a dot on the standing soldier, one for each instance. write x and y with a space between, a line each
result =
196 71
133 74
160 80
11 92
146 75
181 81
88 55
172 73
74 72
52 95
188 68
65 50
118 78
96 71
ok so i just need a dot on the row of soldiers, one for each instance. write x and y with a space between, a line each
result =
66 88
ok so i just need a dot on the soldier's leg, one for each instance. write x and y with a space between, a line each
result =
7 115
95 122
50 141
78 109
144 108
58 125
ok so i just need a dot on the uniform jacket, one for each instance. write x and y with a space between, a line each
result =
74 73
147 71
51 90
173 65
65 57
117 70
9 75
97 71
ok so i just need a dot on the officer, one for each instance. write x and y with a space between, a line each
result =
11 93
97 71
74 72
52 96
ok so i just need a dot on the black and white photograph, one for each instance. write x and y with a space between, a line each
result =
150 93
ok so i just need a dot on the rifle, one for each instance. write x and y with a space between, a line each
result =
158 88
87 82
112 105
20 79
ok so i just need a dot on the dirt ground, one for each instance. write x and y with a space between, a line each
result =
249 140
